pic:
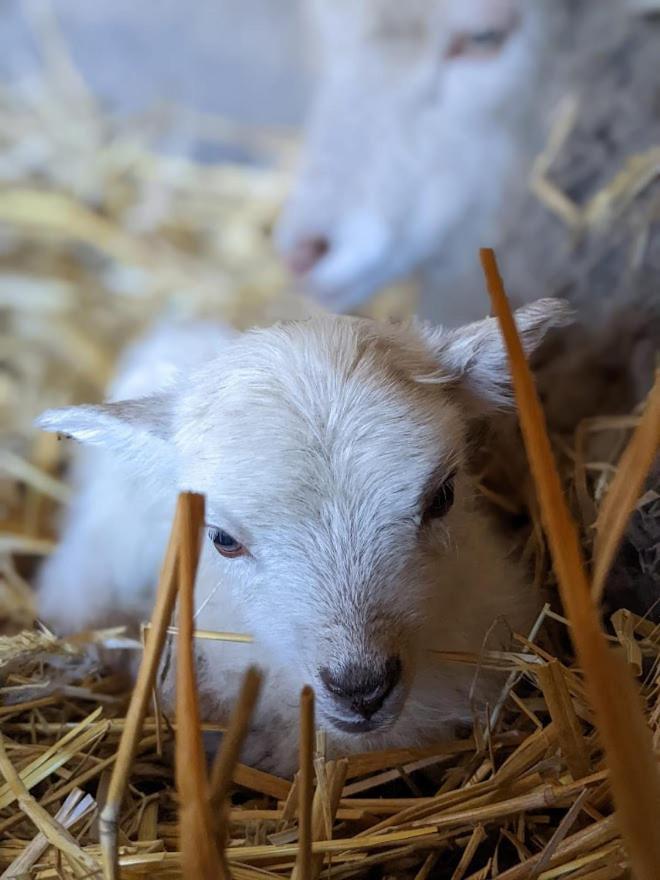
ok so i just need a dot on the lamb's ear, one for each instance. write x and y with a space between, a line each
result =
126 425
474 357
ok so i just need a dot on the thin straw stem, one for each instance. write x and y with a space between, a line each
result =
305 785
165 599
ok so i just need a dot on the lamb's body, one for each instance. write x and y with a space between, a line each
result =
315 444
115 532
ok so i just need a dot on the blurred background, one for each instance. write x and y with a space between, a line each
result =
201 56
144 156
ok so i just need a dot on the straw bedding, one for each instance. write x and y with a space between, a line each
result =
97 234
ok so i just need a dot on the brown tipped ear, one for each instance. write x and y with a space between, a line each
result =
474 359
125 425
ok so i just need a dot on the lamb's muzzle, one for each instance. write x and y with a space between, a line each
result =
363 698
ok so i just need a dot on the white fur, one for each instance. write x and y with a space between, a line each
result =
313 443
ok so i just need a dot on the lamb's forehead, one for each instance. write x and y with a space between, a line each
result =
317 373
329 352
331 397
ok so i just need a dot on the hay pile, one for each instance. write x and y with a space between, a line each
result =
526 796
98 233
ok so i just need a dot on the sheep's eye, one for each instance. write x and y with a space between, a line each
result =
225 544
490 40
479 43
440 504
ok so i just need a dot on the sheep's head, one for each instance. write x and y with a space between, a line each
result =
413 139
331 456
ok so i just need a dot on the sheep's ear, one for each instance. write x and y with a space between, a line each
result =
474 357
124 425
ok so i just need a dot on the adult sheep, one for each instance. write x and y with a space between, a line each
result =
445 125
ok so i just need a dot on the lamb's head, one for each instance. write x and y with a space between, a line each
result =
412 140
331 456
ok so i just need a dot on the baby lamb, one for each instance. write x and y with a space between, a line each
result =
344 531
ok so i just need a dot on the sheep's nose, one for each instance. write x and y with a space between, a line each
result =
306 253
360 689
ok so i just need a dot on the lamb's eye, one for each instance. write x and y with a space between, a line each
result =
440 504
225 544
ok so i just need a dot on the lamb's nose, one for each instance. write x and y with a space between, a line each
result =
306 253
362 689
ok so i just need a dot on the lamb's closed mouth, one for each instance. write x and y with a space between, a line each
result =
365 725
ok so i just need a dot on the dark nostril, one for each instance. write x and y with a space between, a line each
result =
306 253
332 684
363 690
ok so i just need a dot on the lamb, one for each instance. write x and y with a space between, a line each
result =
344 531
423 145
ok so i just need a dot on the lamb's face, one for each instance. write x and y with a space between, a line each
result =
334 494
331 454
412 140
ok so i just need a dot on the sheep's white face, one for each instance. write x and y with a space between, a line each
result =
329 484
412 140
330 453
